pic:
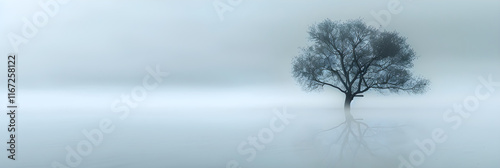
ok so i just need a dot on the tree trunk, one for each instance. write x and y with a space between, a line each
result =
347 107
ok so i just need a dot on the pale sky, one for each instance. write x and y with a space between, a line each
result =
107 44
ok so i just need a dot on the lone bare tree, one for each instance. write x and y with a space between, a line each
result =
354 58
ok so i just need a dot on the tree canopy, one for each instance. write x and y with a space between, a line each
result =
354 58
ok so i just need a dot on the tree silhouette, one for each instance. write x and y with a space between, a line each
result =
354 58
